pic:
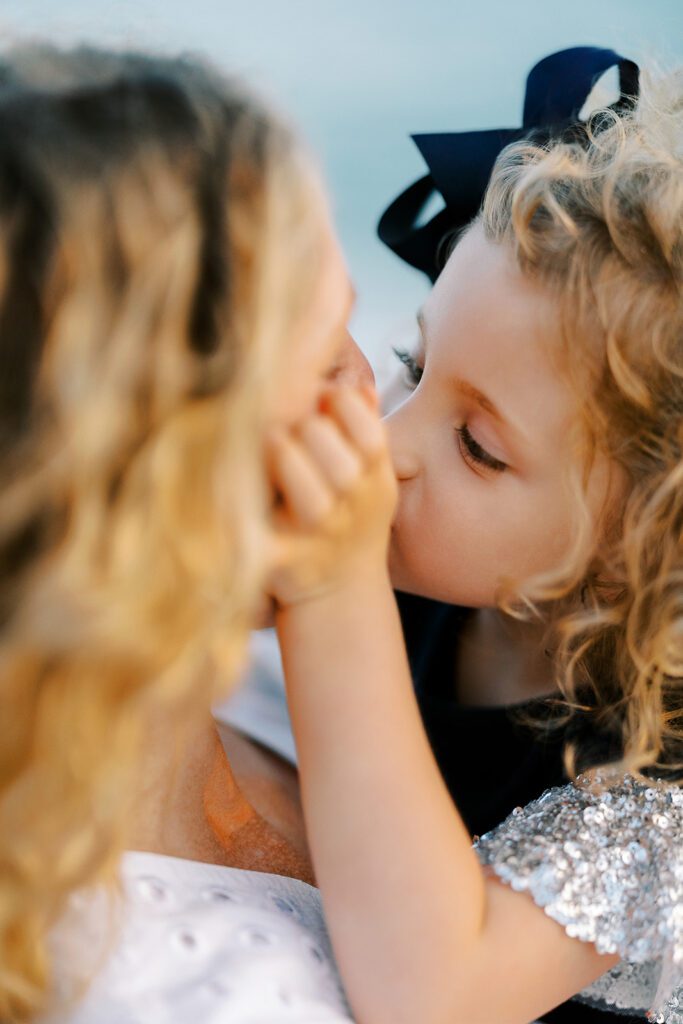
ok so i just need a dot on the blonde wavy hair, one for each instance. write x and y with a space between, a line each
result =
158 240
598 218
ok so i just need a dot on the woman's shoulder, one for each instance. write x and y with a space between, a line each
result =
188 940
604 857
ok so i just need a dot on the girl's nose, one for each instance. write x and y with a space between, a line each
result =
402 443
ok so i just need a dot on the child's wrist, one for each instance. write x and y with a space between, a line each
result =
361 584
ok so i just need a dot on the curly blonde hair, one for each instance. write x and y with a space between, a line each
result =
157 240
598 218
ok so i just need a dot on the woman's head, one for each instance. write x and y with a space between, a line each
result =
162 240
563 304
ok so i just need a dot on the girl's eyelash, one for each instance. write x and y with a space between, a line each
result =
472 451
414 372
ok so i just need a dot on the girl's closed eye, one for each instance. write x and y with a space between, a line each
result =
472 452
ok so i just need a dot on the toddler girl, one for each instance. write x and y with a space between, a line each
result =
540 470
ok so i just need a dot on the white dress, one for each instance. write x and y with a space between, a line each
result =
197 944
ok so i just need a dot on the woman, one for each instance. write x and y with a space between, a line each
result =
170 290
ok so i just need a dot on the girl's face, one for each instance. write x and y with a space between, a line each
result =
482 442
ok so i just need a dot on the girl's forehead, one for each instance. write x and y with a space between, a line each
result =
489 325
482 285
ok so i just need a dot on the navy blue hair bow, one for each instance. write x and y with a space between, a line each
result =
460 163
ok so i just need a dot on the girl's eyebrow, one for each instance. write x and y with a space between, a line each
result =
464 387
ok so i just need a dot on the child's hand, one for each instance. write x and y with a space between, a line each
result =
337 491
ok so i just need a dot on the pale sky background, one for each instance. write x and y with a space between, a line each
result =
360 75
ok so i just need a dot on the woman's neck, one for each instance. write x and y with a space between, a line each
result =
169 813
501 661
191 806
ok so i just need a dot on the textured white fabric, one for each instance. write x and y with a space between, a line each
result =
197 943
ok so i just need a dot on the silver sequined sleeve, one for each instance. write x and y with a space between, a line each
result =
605 860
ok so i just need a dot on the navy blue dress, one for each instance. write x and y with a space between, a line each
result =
490 759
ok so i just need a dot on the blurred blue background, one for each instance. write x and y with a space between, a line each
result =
360 75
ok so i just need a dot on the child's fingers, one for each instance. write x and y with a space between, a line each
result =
330 450
359 421
371 395
306 493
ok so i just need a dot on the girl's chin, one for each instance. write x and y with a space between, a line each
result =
409 580
400 574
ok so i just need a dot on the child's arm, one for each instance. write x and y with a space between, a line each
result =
421 933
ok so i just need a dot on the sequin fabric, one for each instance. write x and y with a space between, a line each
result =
604 858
